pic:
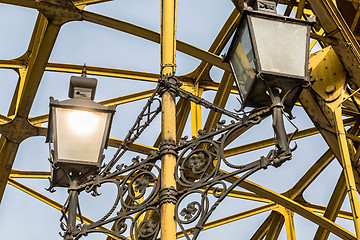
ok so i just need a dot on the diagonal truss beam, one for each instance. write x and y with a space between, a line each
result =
232 218
102 71
110 102
270 141
335 26
154 37
45 199
21 3
299 209
220 99
300 186
45 34
333 208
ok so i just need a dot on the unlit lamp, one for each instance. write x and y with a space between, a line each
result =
269 51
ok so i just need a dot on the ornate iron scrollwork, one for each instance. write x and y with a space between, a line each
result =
198 172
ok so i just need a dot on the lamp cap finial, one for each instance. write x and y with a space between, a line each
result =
83 74
82 87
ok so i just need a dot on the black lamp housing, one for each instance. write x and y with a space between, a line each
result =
269 51
79 129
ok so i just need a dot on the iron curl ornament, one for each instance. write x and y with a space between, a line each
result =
199 171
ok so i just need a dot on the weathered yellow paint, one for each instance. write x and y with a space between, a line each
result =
168 66
29 174
289 222
196 119
333 208
348 170
330 74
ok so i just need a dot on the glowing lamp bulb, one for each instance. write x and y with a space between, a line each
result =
83 122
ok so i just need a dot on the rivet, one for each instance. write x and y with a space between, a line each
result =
330 89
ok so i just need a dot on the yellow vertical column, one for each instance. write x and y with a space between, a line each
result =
168 48
289 223
348 170
196 121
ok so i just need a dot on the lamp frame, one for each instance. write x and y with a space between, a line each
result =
61 168
267 78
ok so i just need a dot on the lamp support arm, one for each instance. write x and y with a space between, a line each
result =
72 210
281 140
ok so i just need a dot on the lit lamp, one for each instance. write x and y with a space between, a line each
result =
79 129
268 57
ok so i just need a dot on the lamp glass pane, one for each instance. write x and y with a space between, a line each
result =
281 45
242 61
80 134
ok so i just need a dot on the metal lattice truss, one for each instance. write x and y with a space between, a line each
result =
331 103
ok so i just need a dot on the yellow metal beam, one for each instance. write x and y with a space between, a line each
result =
333 208
232 218
21 3
295 207
220 99
5 119
168 45
154 37
270 141
244 195
12 63
321 209
300 9
289 222
264 227
335 26
310 175
46 200
136 147
15 131
196 118
35 70
298 208
239 4
128 98
297 190
29 174
110 102
89 2
201 73
348 170
215 86
182 112
102 71
7 157
275 227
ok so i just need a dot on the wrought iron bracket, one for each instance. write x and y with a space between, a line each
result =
198 172
170 82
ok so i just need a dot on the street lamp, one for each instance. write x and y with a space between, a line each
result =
268 57
79 129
